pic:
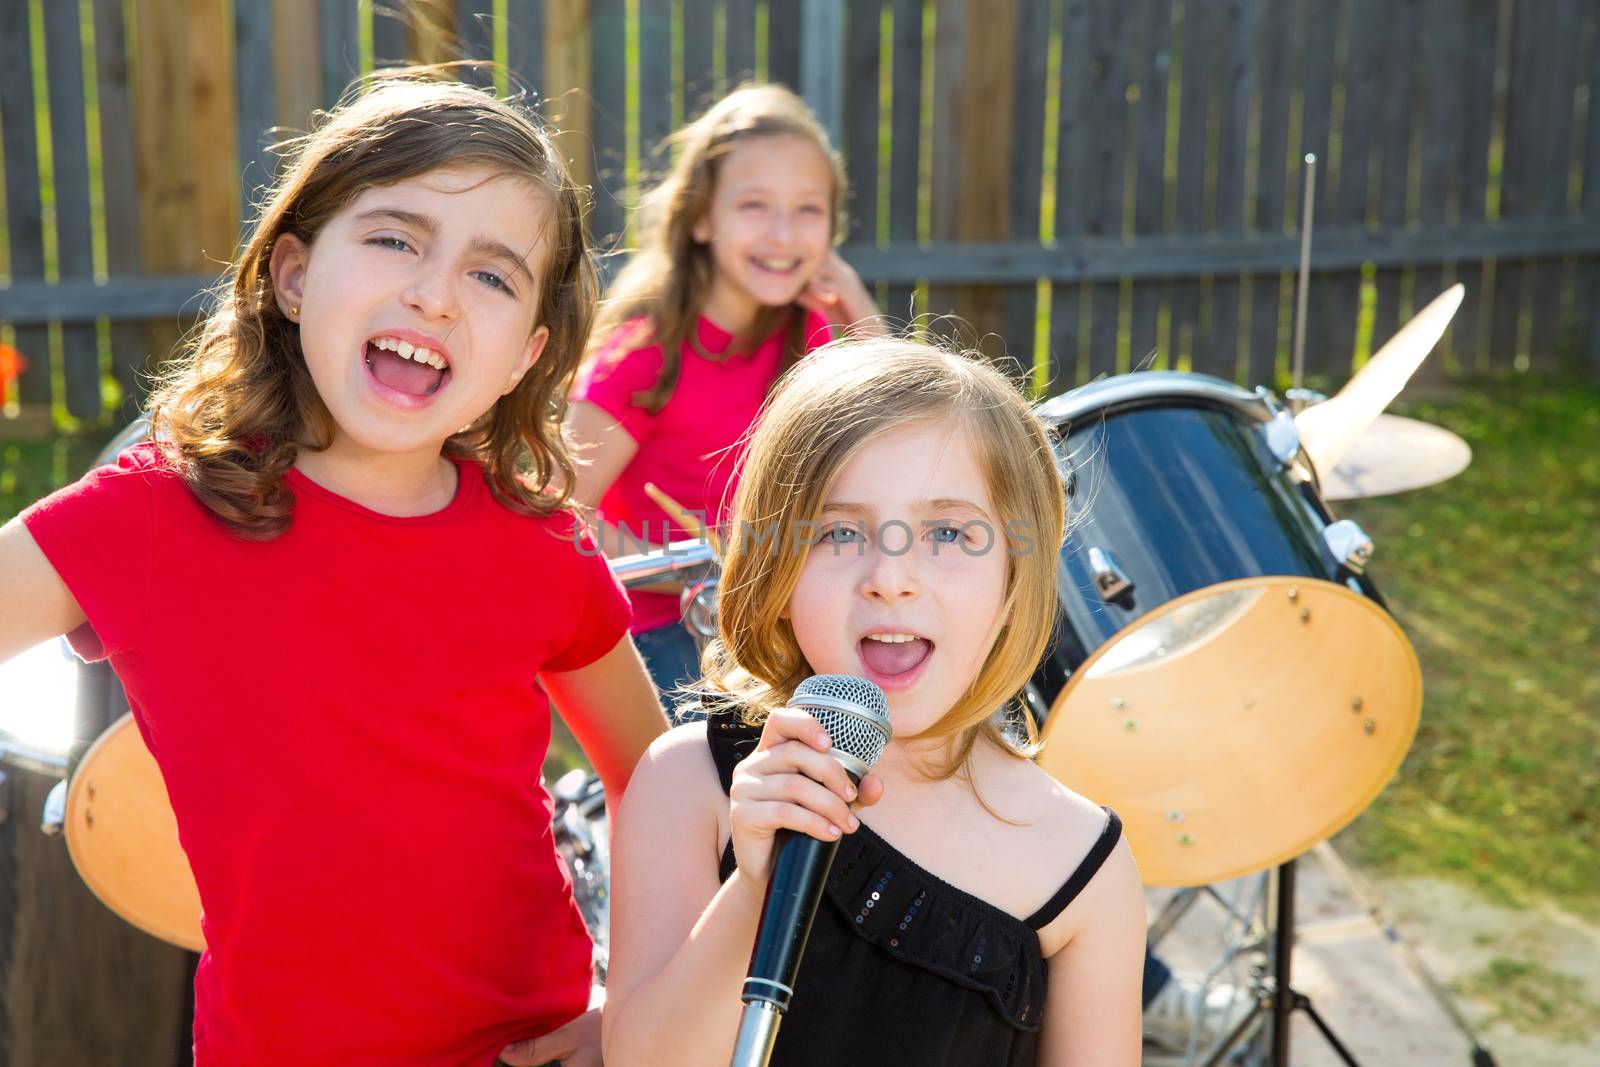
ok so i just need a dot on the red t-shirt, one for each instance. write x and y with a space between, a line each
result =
350 726
690 448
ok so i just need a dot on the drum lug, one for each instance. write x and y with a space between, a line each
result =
1350 545
54 816
1283 439
1109 577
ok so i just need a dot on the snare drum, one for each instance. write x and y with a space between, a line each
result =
79 985
1226 676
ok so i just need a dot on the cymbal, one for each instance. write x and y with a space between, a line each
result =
1330 429
1394 455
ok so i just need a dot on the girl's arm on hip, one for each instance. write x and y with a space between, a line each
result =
35 604
1092 1016
612 709
680 943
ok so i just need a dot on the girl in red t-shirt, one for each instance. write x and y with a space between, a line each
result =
342 594
735 279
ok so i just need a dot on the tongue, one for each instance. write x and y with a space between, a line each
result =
403 374
886 659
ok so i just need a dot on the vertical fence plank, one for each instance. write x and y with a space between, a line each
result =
1235 84
1348 190
1546 306
1149 181
861 119
567 77
525 50
391 38
1527 119
783 43
1398 61
655 87
984 149
1112 34
70 152
944 193
1475 79
1072 151
474 33
608 118
214 175
1274 52
255 96
699 43
340 46
24 209
1320 31
822 39
1439 145
739 22
905 142
1031 53
1587 328
296 62
123 254
1199 66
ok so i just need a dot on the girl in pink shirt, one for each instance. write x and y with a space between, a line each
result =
735 279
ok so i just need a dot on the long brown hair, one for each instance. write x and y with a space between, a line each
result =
822 413
237 404
668 278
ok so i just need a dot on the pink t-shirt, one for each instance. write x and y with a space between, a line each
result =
350 725
690 448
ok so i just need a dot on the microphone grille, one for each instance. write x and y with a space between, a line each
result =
853 711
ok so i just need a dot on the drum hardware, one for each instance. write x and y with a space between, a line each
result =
1349 544
1109 577
1281 434
1303 282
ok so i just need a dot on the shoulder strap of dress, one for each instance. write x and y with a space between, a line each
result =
729 738
1081 875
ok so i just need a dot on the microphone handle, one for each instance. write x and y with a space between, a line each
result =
799 871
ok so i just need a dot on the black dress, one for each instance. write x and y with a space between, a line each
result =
904 968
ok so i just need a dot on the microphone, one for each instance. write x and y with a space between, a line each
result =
856 715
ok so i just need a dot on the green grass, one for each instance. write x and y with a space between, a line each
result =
1534 999
1495 576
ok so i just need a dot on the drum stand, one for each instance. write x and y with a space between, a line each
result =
1276 995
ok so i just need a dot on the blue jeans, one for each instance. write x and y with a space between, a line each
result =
673 660
1156 975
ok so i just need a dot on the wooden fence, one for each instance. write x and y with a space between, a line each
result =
1082 182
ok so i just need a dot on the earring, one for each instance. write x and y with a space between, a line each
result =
294 312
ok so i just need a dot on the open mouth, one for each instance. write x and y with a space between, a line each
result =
405 367
775 265
892 656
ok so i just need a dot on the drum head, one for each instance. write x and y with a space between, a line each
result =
40 688
1238 725
124 840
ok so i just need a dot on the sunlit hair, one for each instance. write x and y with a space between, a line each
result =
236 406
833 403
668 279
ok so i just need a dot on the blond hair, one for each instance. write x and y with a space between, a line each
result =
237 405
668 278
836 401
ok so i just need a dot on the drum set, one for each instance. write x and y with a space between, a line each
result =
1226 676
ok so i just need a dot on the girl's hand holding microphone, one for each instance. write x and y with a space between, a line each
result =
791 782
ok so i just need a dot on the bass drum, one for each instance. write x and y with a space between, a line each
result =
79 985
1225 674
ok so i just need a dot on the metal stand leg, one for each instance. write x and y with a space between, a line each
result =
1281 998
